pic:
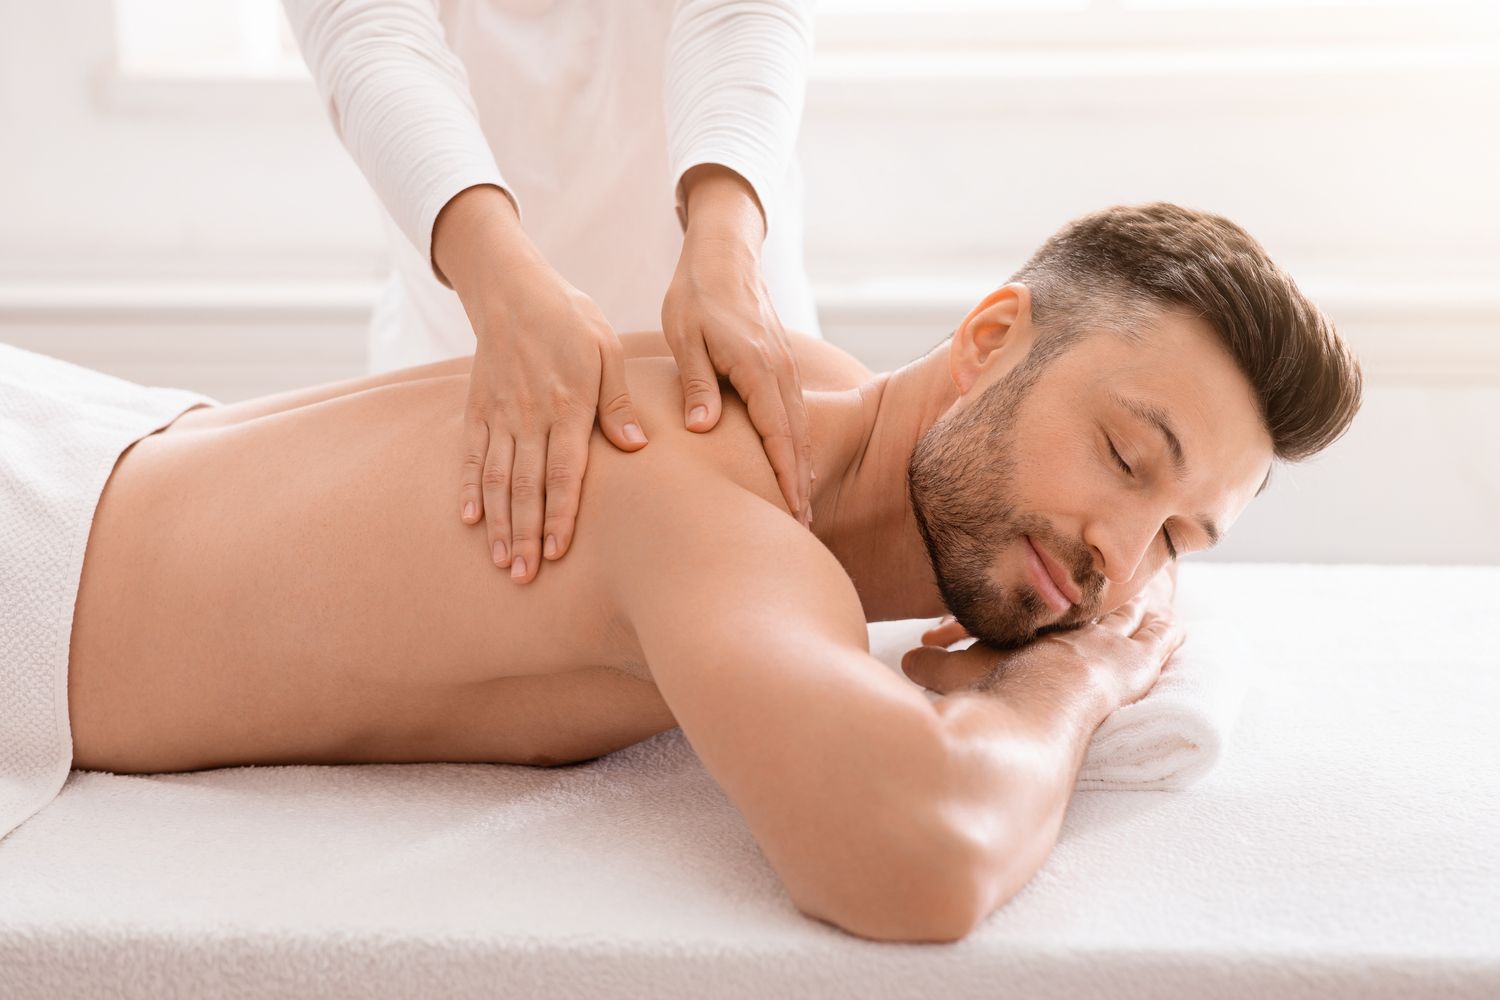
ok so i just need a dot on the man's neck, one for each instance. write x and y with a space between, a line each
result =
862 441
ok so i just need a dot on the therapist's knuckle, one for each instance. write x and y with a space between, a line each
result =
698 385
524 486
617 405
750 373
779 441
478 404
763 353
495 477
516 405
561 473
556 397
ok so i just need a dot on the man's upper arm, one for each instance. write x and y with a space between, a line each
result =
756 640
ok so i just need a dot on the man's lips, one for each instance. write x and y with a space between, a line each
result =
1054 583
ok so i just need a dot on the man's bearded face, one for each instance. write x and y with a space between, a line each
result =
962 484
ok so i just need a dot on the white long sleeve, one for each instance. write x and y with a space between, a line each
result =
735 81
572 97
399 100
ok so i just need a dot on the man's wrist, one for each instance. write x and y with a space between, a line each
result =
722 208
1066 690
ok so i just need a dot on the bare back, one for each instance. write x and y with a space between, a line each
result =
298 588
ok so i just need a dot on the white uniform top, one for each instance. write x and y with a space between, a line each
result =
595 108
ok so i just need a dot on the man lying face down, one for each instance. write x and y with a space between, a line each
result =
283 580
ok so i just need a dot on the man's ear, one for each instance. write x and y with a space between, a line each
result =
997 331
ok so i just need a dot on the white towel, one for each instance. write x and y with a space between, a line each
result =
62 428
1168 739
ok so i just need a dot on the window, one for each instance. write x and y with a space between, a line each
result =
204 38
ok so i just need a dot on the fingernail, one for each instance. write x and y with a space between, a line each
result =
469 511
518 568
633 434
549 547
697 414
499 553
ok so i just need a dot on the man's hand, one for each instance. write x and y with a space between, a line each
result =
718 319
545 362
1160 592
1121 655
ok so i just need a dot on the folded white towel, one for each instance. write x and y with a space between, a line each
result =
1168 739
1177 732
62 428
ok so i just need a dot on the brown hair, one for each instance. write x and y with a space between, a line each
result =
1114 264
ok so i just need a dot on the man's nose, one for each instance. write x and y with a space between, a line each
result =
1120 541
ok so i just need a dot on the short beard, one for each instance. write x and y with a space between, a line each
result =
960 479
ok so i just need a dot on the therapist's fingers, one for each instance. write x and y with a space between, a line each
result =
701 403
789 381
759 388
471 483
567 460
527 483
495 485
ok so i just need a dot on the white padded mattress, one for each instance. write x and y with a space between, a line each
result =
1346 846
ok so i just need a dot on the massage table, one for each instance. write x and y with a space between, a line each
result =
1345 846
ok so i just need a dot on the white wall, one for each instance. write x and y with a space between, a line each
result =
212 232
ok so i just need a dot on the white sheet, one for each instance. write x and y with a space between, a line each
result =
1344 847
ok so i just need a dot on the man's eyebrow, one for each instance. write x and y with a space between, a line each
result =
1157 417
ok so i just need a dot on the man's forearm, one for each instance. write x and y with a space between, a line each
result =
1016 750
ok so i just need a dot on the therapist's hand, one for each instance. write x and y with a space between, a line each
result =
545 363
718 320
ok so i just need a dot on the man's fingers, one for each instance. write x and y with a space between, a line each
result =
1127 617
617 419
1161 631
567 460
944 633
939 670
527 485
471 483
762 396
701 404
495 484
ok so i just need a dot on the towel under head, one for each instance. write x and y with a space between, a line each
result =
1172 736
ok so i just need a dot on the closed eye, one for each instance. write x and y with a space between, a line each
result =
1120 461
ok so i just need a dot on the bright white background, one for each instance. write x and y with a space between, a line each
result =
175 208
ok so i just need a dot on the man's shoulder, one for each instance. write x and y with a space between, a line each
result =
733 449
700 518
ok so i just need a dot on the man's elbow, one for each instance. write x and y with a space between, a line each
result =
938 897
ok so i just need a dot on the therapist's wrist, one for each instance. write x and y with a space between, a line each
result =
477 242
721 207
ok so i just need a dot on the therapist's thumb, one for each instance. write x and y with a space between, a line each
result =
617 417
